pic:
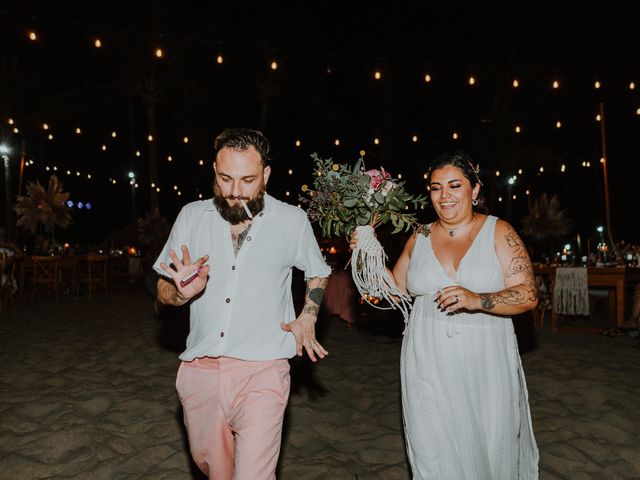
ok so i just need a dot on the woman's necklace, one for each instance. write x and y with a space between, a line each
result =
452 231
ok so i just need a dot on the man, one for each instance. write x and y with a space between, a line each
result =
233 381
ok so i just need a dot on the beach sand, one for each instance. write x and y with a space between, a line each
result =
87 392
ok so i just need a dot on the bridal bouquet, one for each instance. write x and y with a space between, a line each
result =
347 198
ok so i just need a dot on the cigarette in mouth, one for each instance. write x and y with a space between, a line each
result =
190 278
246 209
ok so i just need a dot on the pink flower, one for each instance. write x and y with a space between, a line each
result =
378 177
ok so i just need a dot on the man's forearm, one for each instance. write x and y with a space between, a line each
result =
168 293
313 295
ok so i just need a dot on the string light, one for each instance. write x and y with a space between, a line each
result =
555 84
169 158
45 126
337 142
50 136
15 130
563 168
596 85
377 75
274 65
114 134
497 173
597 117
427 78
455 136
185 139
290 172
515 83
219 60
137 153
97 43
78 131
558 124
200 162
376 141
159 53
472 80
517 129
632 85
150 138
10 121
414 139
33 36
298 143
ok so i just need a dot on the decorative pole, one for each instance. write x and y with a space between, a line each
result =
606 179
22 160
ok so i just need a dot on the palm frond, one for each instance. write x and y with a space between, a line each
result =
546 219
43 207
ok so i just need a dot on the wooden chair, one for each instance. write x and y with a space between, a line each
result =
45 274
545 300
93 273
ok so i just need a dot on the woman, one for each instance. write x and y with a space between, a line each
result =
464 396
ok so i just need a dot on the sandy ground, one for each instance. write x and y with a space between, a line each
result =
87 392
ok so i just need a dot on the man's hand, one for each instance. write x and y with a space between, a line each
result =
304 331
184 269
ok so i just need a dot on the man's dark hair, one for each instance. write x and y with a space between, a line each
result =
242 139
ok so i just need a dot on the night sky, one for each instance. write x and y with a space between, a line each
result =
323 89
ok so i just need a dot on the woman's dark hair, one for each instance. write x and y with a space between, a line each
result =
242 139
463 162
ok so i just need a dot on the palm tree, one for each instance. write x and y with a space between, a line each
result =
40 211
545 221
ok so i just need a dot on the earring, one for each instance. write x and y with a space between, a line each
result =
474 202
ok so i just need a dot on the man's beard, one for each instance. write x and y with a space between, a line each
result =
235 214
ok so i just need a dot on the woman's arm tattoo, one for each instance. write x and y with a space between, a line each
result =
520 264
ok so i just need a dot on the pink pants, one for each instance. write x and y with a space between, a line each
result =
233 410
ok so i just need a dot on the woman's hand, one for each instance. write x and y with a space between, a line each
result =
353 240
454 298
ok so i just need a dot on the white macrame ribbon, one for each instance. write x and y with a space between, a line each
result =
370 274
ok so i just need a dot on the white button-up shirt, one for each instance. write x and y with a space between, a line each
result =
246 297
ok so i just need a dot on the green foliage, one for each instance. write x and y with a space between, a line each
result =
346 197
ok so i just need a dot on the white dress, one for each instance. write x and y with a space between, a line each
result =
464 396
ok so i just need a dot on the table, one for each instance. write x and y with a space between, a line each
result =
616 279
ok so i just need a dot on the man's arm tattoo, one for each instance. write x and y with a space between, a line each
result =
313 295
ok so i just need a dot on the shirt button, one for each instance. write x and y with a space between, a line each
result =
222 334
233 267
228 300
248 239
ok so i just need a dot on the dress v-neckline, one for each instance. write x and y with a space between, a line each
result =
456 270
